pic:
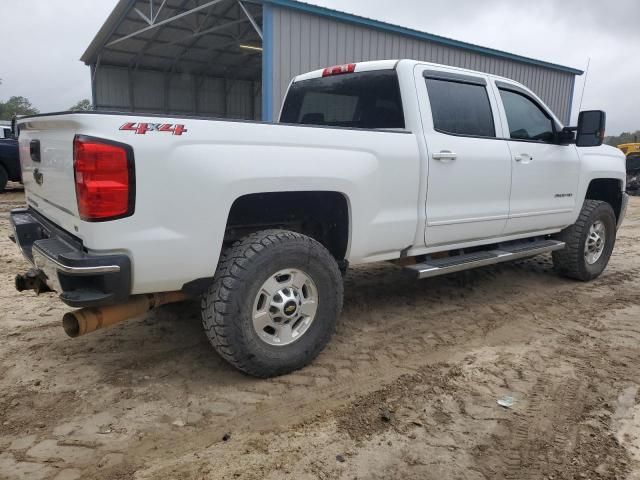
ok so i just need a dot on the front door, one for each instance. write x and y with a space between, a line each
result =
469 169
545 174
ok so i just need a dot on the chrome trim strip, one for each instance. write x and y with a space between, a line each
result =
500 256
440 223
72 270
544 212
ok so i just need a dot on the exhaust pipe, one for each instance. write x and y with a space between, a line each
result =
90 319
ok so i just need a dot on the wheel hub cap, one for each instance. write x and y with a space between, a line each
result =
596 240
285 307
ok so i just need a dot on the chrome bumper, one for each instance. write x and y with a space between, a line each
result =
81 278
50 266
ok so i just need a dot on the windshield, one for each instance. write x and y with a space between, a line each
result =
357 100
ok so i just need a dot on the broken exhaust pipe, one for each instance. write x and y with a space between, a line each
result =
90 319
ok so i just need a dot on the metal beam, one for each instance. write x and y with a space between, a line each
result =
195 39
199 71
151 19
164 22
199 34
144 17
153 38
251 19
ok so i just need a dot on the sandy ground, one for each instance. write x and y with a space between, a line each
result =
407 388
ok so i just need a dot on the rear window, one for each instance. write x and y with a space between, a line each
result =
357 100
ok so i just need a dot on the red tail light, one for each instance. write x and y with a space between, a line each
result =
339 69
105 179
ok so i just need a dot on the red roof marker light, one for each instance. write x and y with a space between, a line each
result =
339 69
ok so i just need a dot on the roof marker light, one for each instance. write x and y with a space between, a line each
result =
339 69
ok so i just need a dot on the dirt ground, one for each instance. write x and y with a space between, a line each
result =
407 389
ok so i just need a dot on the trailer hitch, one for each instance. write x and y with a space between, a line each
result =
34 279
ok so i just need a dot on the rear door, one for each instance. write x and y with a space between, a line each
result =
545 174
469 168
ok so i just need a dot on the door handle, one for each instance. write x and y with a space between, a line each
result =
444 155
523 157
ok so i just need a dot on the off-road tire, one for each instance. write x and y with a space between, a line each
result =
570 262
4 178
228 304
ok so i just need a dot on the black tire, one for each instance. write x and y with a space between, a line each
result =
4 178
227 307
571 261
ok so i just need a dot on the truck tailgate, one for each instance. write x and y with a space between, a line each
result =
46 158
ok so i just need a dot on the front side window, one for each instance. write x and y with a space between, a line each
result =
527 121
460 108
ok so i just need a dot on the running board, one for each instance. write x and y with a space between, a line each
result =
506 253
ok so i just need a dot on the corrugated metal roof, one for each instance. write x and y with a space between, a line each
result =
173 36
124 19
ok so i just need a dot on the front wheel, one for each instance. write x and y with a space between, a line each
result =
589 242
274 302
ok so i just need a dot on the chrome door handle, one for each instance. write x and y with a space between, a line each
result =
444 155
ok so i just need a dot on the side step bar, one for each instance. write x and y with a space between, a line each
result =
506 253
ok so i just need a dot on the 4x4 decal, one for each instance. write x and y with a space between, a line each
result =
143 128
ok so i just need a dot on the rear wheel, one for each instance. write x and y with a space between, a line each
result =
589 242
274 302
4 178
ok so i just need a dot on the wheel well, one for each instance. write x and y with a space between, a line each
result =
323 216
607 190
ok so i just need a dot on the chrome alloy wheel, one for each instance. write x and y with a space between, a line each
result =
285 307
594 246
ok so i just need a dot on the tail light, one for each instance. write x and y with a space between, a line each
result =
339 69
105 179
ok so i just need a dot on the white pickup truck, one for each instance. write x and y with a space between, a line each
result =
437 168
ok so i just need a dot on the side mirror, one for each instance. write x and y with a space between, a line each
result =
591 126
14 122
567 136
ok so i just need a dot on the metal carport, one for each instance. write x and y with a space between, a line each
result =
235 58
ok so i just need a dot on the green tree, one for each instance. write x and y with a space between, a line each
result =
16 106
82 106
624 137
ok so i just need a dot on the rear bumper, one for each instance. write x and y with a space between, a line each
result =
81 279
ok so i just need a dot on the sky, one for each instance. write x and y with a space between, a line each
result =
42 41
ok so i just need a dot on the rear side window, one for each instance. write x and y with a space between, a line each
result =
460 108
357 100
527 121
